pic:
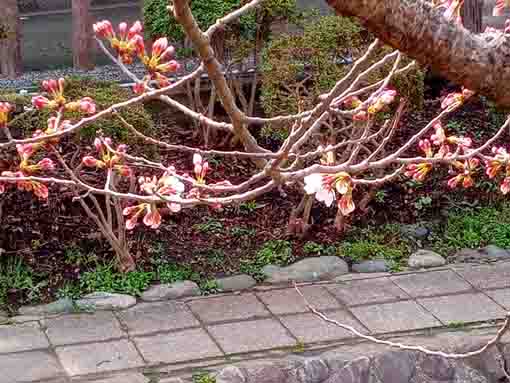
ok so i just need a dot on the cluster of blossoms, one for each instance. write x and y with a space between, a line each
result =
129 43
500 162
26 167
385 98
326 186
57 101
499 8
108 159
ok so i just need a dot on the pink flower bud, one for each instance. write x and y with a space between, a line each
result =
89 161
61 84
108 141
46 164
87 105
168 53
122 148
104 29
171 66
135 29
138 43
123 30
159 46
26 150
123 170
98 145
197 159
139 88
50 86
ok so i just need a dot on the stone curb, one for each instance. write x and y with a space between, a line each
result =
312 272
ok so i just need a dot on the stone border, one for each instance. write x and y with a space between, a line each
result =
323 269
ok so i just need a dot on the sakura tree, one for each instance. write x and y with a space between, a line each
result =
337 152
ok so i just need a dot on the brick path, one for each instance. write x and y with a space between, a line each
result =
105 346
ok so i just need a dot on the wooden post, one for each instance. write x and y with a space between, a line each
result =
82 35
10 37
472 15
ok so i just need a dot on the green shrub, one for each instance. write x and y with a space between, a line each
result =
158 22
478 228
106 279
318 54
368 249
105 94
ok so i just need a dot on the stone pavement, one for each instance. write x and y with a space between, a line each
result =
172 336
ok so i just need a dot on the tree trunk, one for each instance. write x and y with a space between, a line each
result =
10 47
472 15
480 63
82 35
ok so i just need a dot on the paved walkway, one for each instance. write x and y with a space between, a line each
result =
173 335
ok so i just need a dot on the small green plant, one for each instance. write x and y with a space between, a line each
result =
274 252
106 279
456 127
380 196
215 257
477 228
359 250
299 347
15 275
210 226
74 256
170 273
249 207
237 231
456 324
203 377
422 203
319 249
69 290
209 287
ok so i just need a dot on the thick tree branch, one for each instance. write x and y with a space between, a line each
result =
415 27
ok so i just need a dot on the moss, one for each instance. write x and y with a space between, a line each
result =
105 94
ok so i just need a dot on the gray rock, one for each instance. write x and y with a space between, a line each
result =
395 366
358 371
267 372
175 290
415 231
425 259
371 266
311 371
311 269
435 367
494 252
230 374
106 301
236 282
487 254
466 374
64 305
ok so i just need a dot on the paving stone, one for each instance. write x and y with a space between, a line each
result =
176 347
398 316
357 276
500 296
70 329
309 328
251 336
289 301
22 337
94 358
307 270
162 316
371 266
236 282
425 259
106 301
177 290
431 283
488 277
228 307
364 291
64 305
29 367
464 308
124 378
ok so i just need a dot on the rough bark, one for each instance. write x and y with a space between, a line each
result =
472 15
479 62
82 35
10 47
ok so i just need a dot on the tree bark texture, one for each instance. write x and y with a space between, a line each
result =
472 15
10 31
415 27
82 35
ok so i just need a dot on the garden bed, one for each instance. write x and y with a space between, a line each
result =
50 249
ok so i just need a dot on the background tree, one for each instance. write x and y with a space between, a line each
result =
10 48
82 35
